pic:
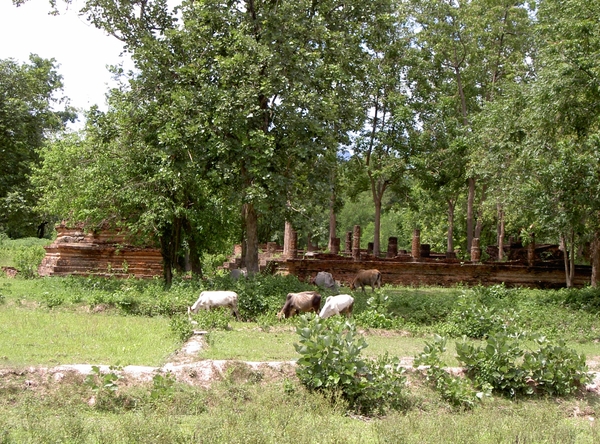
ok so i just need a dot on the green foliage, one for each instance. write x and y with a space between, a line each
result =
586 299
504 365
260 293
105 387
181 327
483 311
29 113
456 390
52 299
28 260
214 319
330 362
163 387
475 320
377 315
422 307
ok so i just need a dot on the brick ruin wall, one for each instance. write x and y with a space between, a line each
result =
106 253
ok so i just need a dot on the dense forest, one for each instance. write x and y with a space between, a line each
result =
241 119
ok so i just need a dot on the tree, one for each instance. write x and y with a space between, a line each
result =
564 109
466 52
27 117
381 150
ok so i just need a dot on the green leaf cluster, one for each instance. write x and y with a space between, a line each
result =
330 362
456 390
503 364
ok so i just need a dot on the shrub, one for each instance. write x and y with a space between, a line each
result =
377 315
181 327
417 307
330 362
502 363
52 299
28 260
217 318
475 320
457 391
260 293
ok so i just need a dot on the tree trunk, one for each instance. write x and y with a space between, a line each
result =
195 262
500 233
166 250
251 225
470 205
568 260
479 221
450 236
595 259
377 226
332 220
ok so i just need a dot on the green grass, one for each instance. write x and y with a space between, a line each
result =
238 411
35 336
246 342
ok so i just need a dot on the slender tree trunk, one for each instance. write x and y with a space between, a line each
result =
450 236
377 225
500 232
166 250
470 205
251 224
569 260
595 259
479 218
195 262
332 218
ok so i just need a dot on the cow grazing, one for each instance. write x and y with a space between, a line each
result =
324 279
335 305
366 277
302 302
219 298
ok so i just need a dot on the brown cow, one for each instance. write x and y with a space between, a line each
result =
304 301
366 277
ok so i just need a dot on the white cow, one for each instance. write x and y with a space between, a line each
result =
218 298
335 305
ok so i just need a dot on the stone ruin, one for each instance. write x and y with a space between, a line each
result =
107 253
534 266
102 253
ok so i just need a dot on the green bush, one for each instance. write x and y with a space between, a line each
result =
377 315
52 299
330 362
258 294
215 319
475 320
510 370
586 299
457 391
181 327
28 260
421 308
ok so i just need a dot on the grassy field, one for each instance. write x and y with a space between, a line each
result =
47 322
236 411
34 336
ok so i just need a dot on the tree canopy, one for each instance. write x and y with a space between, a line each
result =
473 118
29 113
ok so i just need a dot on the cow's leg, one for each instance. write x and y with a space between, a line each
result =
235 311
